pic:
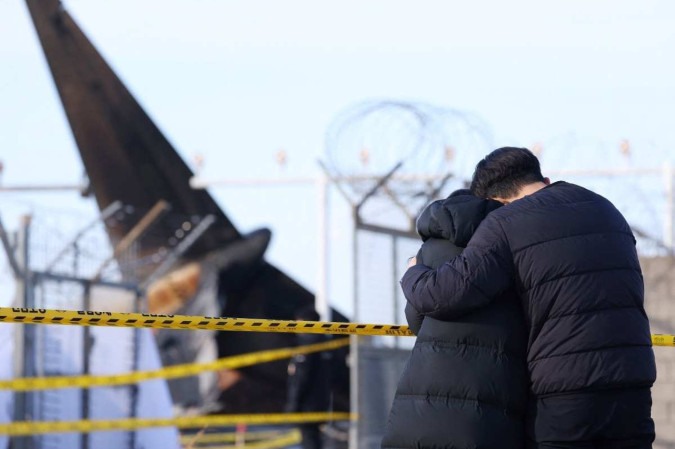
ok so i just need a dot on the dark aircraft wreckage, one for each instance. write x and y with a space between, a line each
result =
222 272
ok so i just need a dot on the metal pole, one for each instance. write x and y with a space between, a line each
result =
135 389
354 339
355 265
353 359
86 363
606 171
198 183
24 351
668 234
394 270
321 300
43 188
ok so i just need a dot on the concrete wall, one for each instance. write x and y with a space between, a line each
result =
659 274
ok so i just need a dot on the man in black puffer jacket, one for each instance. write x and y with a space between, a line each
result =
571 257
465 384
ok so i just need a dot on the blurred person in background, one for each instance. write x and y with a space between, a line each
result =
465 384
571 257
309 382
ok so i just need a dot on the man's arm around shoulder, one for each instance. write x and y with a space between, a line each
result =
471 280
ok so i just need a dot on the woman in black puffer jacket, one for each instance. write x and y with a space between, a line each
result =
465 384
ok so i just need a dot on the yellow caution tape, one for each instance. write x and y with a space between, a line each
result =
92 318
289 439
118 319
273 439
24 428
169 372
228 437
663 340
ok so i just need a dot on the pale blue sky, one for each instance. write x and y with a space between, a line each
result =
238 80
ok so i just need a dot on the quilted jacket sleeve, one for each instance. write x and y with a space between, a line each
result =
414 319
471 280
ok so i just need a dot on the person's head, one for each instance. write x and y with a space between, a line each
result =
507 174
455 218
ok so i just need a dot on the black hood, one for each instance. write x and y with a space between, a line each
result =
455 218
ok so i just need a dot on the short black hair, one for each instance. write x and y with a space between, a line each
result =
502 173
